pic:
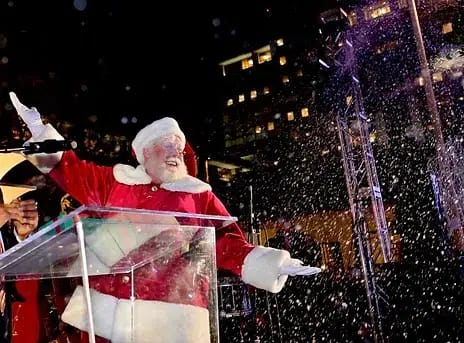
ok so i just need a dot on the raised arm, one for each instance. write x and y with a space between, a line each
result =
86 181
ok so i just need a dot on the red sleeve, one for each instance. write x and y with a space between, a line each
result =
231 245
85 181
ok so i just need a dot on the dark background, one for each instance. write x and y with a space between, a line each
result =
115 59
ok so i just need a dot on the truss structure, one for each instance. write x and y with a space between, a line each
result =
374 245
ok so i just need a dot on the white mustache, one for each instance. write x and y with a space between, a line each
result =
173 161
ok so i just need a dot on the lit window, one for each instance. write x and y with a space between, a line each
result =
420 81
247 63
304 112
230 102
373 12
372 137
258 129
241 98
253 94
402 3
280 42
290 116
299 73
285 79
264 57
270 126
266 90
282 60
437 77
447 28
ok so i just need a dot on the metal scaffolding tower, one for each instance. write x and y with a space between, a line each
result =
358 156
359 166
361 175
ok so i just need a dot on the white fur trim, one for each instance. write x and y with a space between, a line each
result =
104 245
160 322
103 310
129 175
110 242
46 162
153 132
94 265
187 184
261 268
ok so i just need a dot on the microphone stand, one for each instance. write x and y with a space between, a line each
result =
45 146
5 149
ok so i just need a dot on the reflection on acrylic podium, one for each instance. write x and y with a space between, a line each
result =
143 276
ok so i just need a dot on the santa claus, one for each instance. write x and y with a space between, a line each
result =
159 182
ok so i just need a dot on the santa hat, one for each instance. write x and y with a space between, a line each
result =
154 132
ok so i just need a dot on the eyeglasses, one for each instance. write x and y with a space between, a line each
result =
171 147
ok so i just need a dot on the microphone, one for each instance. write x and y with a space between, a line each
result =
48 146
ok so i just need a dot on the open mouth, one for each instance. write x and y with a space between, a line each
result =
172 162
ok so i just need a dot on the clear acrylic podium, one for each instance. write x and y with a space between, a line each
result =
156 271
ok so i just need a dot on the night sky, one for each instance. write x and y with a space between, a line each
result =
110 59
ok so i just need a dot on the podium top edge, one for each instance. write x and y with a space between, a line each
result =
95 208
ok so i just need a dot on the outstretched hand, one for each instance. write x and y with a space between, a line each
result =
295 267
30 115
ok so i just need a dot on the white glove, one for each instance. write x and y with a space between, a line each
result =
45 162
29 115
295 267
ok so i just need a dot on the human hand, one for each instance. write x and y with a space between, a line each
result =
28 219
30 116
295 267
8 212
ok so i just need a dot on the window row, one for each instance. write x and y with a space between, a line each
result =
255 93
261 130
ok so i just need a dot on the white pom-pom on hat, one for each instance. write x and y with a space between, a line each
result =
153 132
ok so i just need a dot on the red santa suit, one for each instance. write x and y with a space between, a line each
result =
161 316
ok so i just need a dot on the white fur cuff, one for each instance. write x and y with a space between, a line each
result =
46 162
261 268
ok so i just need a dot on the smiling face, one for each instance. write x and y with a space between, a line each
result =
164 160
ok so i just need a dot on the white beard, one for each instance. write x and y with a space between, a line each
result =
181 181
165 175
